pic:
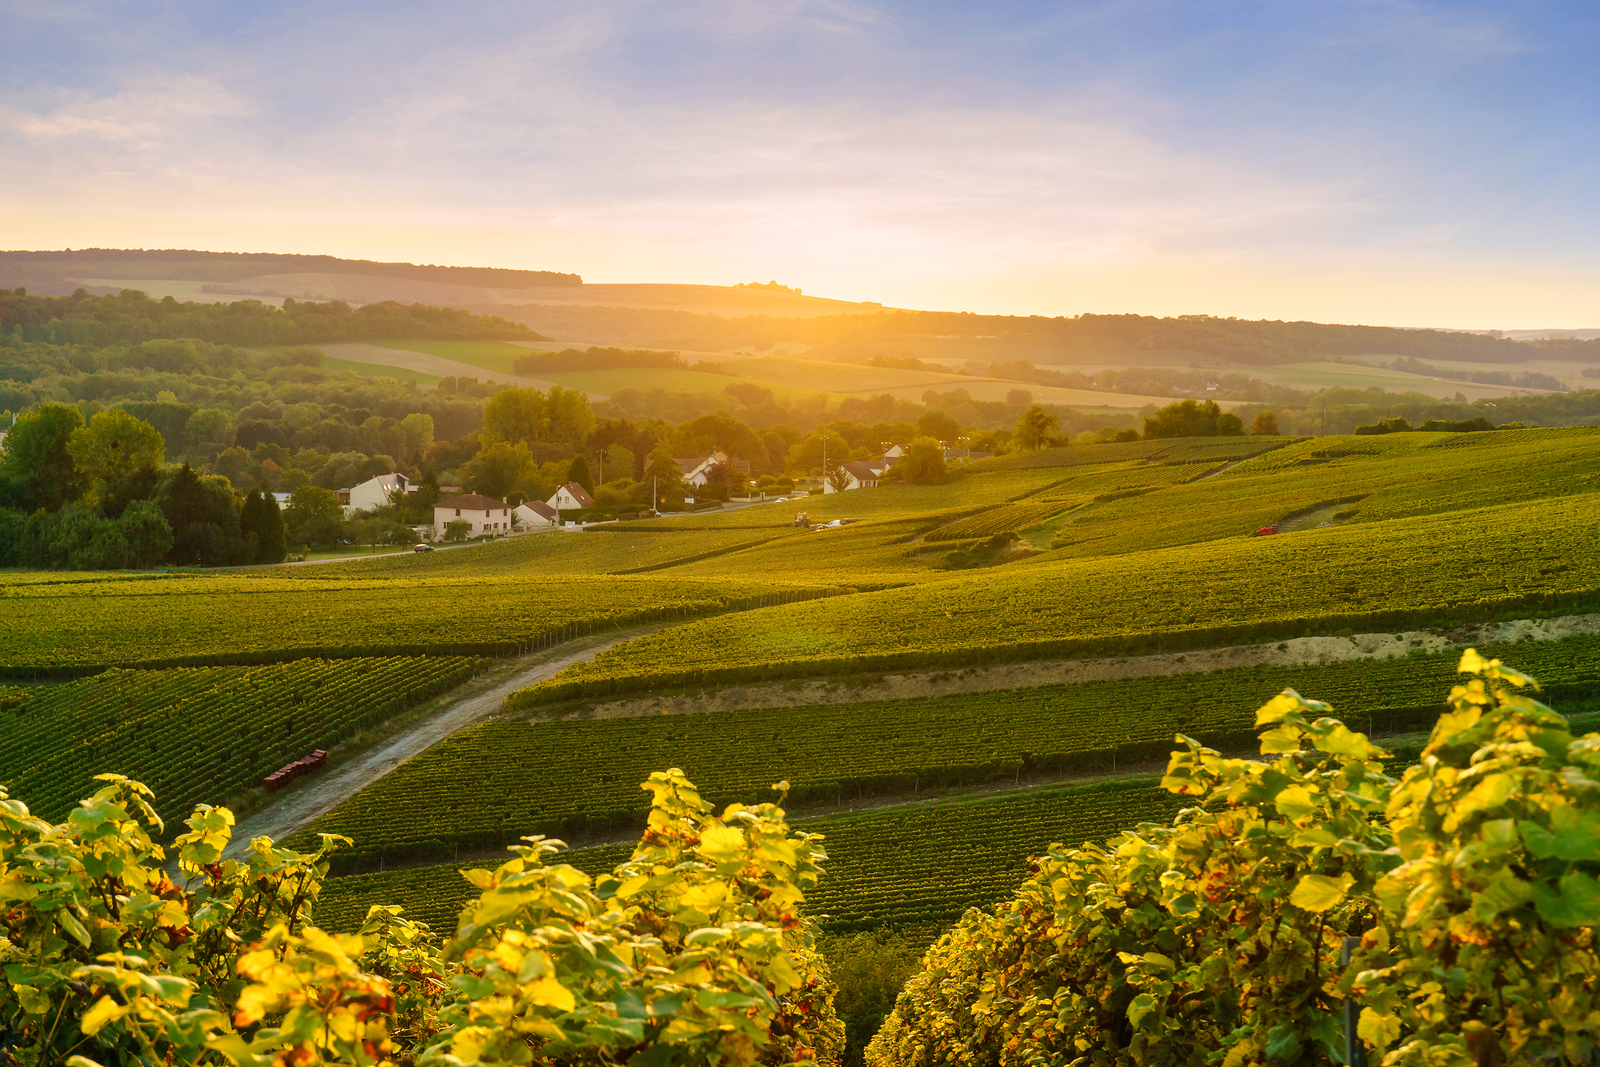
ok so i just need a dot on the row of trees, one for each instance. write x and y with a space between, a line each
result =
98 495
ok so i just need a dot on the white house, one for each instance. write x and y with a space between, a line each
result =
571 497
697 471
374 493
894 455
533 515
485 513
860 475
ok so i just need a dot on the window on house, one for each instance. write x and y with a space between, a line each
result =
458 513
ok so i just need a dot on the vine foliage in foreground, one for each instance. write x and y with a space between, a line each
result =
694 951
1216 940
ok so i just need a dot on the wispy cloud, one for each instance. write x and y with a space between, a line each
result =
155 110
823 139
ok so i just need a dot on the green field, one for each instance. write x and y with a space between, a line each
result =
540 776
914 867
495 356
198 735
373 370
855 379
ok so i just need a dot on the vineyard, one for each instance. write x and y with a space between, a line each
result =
1362 577
918 867
1211 450
996 520
576 776
78 627
199 735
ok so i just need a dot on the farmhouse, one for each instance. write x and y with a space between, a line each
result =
697 471
860 475
374 493
570 497
486 514
533 515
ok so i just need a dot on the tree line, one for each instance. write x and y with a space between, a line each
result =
132 317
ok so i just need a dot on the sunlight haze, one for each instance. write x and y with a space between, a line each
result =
1400 163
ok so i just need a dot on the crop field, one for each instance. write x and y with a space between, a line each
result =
1368 576
374 370
613 381
908 867
197 735
546 777
150 621
495 357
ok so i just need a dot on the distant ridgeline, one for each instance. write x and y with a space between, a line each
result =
59 271
131 318
1246 341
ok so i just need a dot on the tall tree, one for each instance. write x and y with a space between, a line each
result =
314 516
579 472
516 416
1265 424
924 462
663 475
36 467
260 516
117 456
1035 428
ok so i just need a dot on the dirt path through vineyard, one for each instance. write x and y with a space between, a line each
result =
294 809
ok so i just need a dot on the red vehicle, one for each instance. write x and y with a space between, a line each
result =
1266 530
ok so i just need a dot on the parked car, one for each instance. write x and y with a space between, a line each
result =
422 548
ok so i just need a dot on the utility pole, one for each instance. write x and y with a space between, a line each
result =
824 460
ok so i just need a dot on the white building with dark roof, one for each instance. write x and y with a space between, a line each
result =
485 513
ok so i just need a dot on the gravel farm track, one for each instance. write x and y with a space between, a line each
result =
304 801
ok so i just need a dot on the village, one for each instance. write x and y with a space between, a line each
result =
460 516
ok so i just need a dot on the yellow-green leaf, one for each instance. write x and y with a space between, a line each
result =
104 1011
721 844
1319 892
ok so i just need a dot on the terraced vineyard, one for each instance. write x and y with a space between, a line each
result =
576 776
1464 566
57 627
914 867
198 735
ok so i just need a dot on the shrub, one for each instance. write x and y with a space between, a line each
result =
1470 882
693 951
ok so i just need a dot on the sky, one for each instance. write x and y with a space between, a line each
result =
1402 163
